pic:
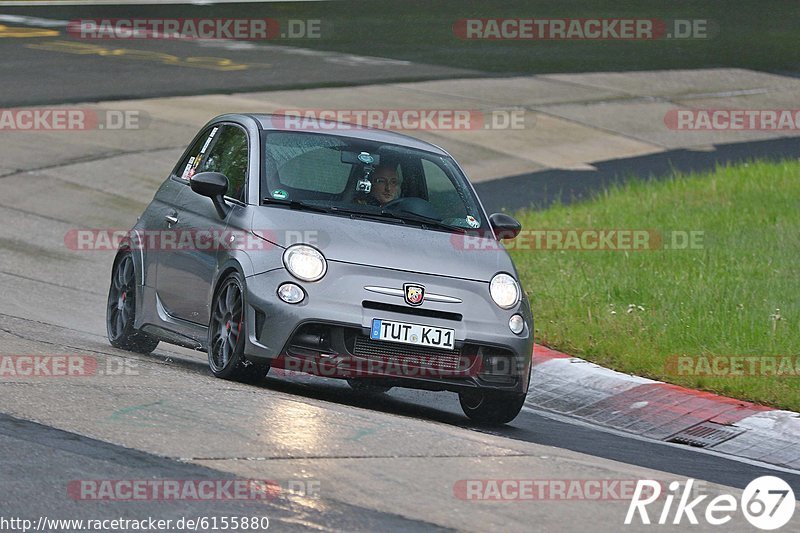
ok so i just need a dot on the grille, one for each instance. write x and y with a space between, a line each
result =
418 311
408 354
706 434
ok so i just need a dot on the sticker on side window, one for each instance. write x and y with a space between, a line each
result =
208 141
194 161
189 170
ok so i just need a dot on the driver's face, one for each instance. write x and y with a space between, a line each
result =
385 185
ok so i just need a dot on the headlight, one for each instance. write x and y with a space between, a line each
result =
304 262
504 290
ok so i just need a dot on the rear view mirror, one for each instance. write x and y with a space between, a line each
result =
505 226
361 158
213 185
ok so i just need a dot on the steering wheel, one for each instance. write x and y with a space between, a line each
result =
394 203
413 206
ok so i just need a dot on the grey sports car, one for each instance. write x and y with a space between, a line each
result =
330 249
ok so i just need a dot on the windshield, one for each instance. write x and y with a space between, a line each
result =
378 180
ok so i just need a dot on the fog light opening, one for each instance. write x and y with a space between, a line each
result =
497 365
291 293
516 324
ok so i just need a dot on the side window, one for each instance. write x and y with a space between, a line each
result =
188 167
227 155
220 149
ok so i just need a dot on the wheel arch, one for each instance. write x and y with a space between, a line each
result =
125 247
224 271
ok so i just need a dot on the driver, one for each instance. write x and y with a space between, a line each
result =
386 184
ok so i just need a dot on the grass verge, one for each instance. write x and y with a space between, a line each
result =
736 294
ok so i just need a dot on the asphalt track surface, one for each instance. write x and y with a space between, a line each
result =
38 461
54 66
189 425
53 457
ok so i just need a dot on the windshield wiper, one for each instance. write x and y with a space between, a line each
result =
365 214
383 214
426 222
296 204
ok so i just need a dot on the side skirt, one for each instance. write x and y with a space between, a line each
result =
153 318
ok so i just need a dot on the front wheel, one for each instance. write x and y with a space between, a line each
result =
227 332
121 309
491 408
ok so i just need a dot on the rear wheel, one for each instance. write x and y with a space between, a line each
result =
491 408
121 310
227 332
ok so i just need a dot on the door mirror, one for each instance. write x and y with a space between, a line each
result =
505 226
209 184
213 185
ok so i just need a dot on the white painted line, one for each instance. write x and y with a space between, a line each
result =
720 94
33 21
338 58
580 369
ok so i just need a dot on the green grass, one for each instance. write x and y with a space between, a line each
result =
737 295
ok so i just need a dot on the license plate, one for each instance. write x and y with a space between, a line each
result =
387 330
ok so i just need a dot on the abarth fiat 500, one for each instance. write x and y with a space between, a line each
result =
331 249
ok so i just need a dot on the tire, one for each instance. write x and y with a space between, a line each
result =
227 333
491 408
121 310
361 385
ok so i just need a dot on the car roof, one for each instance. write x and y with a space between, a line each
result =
272 122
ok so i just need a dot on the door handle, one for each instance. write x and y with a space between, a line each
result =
172 218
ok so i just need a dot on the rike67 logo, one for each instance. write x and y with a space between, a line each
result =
767 503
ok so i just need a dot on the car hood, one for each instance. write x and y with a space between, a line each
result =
379 244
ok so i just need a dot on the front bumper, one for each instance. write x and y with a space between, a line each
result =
328 332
